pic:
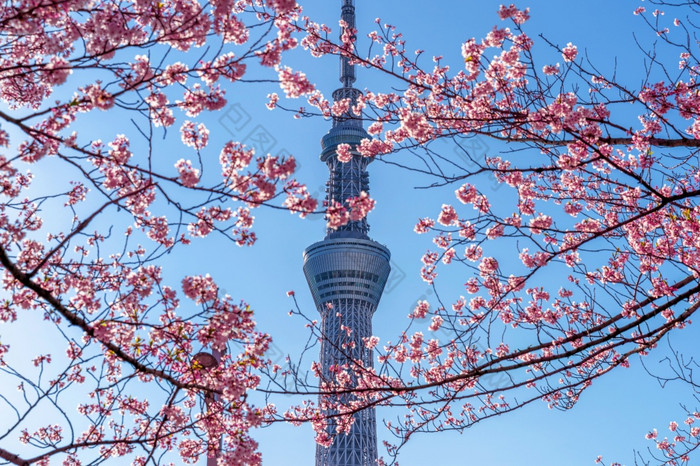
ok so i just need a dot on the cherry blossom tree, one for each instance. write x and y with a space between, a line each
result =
603 219
91 203
588 260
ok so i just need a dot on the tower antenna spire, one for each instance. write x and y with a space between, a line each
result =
347 73
347 70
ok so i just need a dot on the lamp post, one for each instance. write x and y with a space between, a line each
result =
209 361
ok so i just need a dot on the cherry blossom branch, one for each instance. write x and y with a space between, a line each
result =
12 458
75 320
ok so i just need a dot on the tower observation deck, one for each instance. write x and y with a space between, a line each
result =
346 273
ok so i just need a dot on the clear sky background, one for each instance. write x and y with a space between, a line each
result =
612 416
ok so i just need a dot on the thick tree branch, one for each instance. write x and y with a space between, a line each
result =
12 458
75 320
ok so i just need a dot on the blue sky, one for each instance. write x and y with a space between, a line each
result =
612 417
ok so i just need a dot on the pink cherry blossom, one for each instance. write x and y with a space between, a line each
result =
448 215
189 176
569 52
344 154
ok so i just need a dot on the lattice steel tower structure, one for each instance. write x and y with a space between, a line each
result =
347 272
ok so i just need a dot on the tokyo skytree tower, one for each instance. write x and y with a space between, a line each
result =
346 273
